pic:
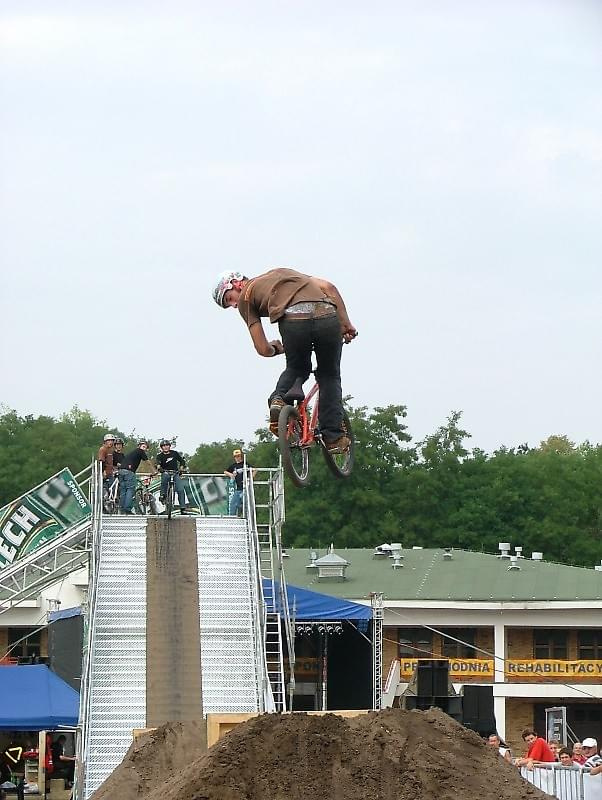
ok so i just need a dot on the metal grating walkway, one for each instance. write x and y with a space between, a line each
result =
228 629
117 701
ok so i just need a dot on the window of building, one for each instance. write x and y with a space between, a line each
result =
29 642
415 643
590 644
463 648
550 643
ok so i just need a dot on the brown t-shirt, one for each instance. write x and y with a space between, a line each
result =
270 294
105 454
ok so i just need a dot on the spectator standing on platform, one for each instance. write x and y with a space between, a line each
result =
236 472
118 454
105 455
593 760
127 475
565 757
537 750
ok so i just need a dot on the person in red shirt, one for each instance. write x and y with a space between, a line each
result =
538 750
578 756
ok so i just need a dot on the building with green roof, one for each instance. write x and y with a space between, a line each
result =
529 629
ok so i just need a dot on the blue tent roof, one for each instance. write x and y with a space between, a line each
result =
35 699
310 605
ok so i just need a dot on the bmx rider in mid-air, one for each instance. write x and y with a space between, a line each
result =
311 316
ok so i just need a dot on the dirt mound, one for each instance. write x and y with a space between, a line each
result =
389 755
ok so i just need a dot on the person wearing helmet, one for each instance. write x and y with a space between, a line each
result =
105 455
127 475
311 315
118 454
170 460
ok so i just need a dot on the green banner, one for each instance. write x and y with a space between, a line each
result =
207 495
40 515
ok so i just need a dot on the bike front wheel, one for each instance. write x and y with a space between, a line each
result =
169 500
341 464
295 457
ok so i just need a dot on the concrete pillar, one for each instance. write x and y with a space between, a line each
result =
499 649
173 650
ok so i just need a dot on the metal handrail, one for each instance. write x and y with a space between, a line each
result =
266 699
82 738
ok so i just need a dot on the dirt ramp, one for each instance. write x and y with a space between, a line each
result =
389 755
153 759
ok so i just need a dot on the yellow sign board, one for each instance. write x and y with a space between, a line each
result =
460 669
545 668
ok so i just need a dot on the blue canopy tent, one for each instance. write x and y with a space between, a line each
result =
317 616
310 605
306 605
35 699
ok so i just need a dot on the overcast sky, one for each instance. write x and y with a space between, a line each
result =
440 162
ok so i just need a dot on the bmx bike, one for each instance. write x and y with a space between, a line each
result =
144 499
170 491
299 431
110 496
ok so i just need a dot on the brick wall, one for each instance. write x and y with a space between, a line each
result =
519 715
519 642
484 640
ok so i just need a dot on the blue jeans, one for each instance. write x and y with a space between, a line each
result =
235 503
127 489
178 485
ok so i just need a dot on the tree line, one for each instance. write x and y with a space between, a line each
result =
436 492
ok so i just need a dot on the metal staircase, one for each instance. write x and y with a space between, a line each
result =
231 643
113 699
265 525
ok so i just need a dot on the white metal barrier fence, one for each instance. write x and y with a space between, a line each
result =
565 783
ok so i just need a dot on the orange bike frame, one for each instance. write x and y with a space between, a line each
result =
309 424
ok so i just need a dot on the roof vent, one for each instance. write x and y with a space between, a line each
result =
504 549
447 554
381 551
417 547
519 551
397 561
514 563
598 567
313 557
331 566
537 556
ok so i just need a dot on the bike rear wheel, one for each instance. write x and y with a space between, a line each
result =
169 500
295 458
341 464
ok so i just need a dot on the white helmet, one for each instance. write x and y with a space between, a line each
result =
224 284
109 437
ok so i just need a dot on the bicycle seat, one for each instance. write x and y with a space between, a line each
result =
295 394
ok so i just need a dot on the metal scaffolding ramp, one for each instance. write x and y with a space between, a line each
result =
239 632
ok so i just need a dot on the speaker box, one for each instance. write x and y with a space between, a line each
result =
452 704
432 677
477 709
